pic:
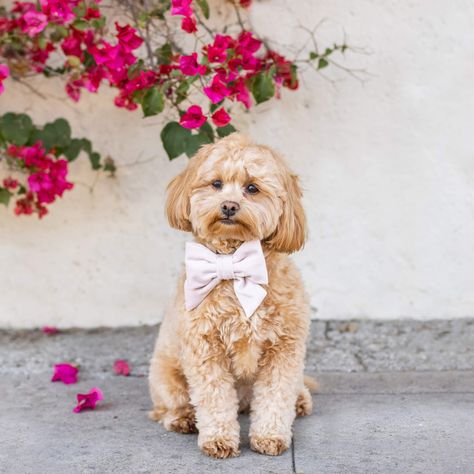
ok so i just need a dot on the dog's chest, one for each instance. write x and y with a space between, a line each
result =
243 337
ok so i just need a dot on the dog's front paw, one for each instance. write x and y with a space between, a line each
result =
220 447
270 445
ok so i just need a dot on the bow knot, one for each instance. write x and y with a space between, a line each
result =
205 269
225 267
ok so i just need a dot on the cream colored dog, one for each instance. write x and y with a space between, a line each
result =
213 361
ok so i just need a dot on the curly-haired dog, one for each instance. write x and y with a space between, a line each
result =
239 342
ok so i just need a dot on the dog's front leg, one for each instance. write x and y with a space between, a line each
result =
213 394
274 396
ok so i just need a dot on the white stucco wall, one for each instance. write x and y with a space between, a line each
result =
388 170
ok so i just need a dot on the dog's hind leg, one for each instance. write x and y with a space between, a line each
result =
170 394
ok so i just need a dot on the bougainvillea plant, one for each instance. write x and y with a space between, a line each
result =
36 161
158 54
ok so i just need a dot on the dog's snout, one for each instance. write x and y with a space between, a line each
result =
229 208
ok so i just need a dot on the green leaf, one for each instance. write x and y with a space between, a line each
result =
94 158
42 43
16 128
313 55
195 142
98 23
73 150
89 60
224 131
86 145
214 107
262 87
152 102
322 63
59 33
54 135
109 165
164 54
207 131
182 91
80 25
80 10
74 61
5 196
204 6
204 136
174 138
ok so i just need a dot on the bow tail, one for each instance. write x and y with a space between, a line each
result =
194 293
249 294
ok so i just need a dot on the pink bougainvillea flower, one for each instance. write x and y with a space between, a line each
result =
127 37
226 76
216 55
73 91
224 42
241 93
193 118
42 210
24 206
72 44
121 367
58 11
248 43
125 101
39 181
181 7
189 66
10 183
285 70
217 90
250 62
39 56
245 3
92 13
188 24
88 400
144 80
23 7
220 118
49 330
4 73
33 22
65 373
217 52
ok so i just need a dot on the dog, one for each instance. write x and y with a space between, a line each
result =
228 351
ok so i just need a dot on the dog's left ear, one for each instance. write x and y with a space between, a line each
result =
290 234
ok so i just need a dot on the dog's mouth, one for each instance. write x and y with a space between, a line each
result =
228 221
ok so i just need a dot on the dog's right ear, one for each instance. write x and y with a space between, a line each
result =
179 192
177 201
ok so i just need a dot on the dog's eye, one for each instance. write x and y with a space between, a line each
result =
251 189
217 184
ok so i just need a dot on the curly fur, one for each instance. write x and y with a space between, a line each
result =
212 362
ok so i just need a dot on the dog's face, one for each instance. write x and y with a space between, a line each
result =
234 190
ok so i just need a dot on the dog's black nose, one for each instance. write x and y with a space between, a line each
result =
229 208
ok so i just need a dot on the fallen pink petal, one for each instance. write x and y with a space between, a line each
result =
49 330
121 367
88 400
65 373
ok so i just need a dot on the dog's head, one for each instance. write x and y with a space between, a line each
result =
235 190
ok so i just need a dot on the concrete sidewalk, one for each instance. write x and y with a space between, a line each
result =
394 398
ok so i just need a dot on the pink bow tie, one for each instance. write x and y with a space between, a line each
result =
205 269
